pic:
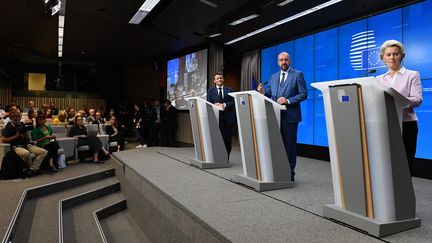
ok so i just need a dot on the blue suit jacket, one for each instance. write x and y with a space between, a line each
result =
228 115
294 89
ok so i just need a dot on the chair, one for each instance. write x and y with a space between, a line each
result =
102 131
91 128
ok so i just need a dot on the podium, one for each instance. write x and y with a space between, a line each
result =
210 150
372 185
264 158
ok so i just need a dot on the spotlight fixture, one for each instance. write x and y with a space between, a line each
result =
52 6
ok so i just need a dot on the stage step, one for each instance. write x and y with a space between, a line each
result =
122 227
38 217
79 223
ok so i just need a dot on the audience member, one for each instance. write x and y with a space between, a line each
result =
43 135
116 133
79 131
91 117
60 119
54 109
30 106
15 134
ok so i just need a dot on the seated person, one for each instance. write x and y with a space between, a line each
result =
43 135
98 119
111 113
31 118
60 119
48 113
15 135
79 131
72 122
116 133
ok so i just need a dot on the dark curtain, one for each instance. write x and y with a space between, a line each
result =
215 61
250 70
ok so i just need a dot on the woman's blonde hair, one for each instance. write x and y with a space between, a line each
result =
392 43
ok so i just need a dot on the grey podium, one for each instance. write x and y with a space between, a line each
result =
264 159
210 150
372 185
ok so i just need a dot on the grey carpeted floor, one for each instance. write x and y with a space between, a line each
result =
11 190
313 190
121 227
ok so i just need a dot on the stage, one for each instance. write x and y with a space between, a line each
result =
227 211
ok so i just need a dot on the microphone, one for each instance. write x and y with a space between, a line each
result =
264 83
372 71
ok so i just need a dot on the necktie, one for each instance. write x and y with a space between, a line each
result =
220 95
281 82
282 79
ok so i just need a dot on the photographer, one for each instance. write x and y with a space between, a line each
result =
14 134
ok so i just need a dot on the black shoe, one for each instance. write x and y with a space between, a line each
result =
37 172
27 172
52 169
292 178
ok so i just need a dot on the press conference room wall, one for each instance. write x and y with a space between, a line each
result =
352 50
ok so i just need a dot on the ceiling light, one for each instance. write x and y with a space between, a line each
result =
61 21
60 54
138 17
239 21
60 40
147 6
214 35
283 21
60 48
60 32
284 3
211 4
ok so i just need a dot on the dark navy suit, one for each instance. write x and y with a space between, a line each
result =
227 117
294 89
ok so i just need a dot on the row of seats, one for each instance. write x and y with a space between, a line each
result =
68 145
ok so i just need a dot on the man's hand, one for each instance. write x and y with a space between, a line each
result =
220 106
260 88
282 101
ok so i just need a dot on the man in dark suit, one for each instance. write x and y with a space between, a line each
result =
288 87
169 125
157 116
218 95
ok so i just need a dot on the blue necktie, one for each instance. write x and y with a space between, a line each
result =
220 95
281 82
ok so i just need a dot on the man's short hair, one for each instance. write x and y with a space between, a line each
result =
218 73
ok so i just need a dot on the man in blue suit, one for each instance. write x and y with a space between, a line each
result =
288 87
218 95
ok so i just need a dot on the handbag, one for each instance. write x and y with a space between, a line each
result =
61 162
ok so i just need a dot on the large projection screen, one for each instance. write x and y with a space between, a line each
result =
187 77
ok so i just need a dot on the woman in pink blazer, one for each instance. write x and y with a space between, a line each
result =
406 82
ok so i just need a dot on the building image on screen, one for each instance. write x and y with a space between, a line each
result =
187 77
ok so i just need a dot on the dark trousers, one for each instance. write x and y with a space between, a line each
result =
168 134
143 135
226 129
289 137
155 135
52 149
409 134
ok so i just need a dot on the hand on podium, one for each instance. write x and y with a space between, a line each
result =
282 101
260 88
221 106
